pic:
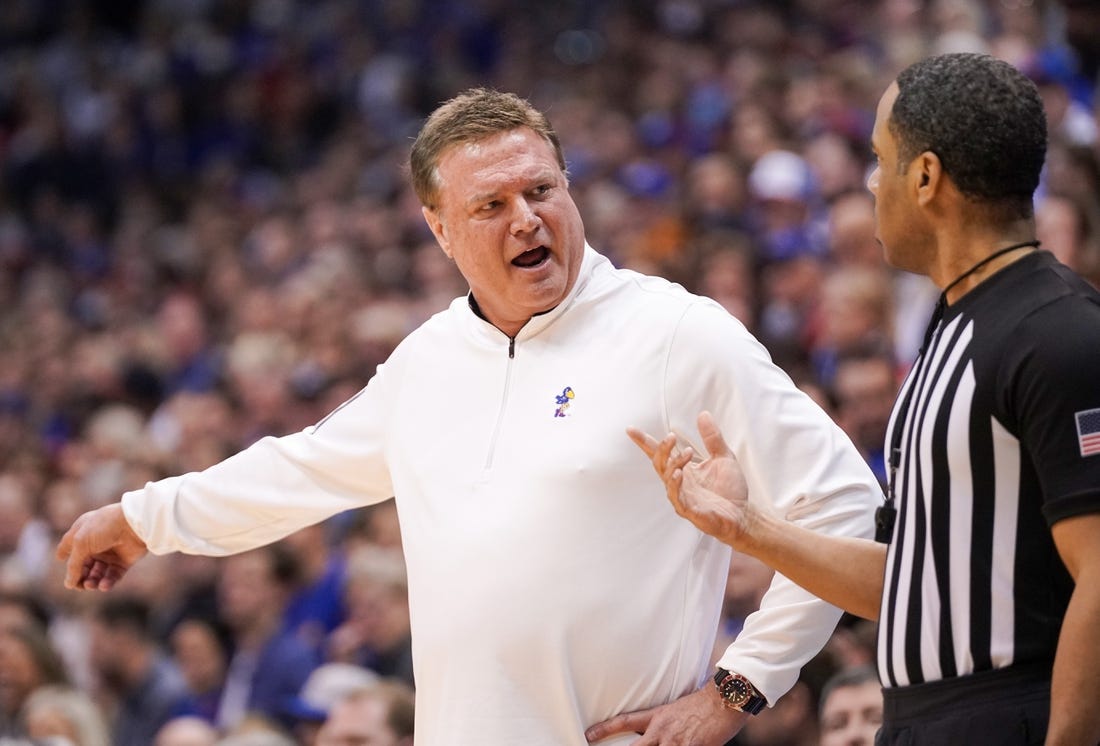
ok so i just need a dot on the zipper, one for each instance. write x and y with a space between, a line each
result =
503 405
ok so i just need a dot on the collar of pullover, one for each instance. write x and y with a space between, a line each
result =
486 331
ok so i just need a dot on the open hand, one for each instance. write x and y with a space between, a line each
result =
710 492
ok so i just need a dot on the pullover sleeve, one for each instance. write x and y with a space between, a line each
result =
793 455
274 487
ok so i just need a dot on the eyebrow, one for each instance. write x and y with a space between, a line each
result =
542 176
478 199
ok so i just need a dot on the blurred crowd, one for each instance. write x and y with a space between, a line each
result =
206 237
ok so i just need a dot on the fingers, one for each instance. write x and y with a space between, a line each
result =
643 440
110 576
95 574
669 469
629 722
77 564
83 571
662 453
713 440
676 463
64 546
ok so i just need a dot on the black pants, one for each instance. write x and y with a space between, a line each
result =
1007 707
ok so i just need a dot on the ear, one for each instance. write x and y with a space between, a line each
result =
928 174
435 223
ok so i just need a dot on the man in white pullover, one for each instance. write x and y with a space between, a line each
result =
551 585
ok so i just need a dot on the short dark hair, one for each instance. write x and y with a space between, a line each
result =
985 121
128 613
29 603
857 675
469 117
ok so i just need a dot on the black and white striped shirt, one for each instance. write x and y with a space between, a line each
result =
992 454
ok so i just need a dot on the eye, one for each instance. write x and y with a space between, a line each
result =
490 205
541 190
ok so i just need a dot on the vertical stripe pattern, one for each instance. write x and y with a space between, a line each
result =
946 611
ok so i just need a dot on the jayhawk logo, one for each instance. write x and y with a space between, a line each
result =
563 400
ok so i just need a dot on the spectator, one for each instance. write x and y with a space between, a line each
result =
377 632
785 194
27 662
145 686
326 686
855 314
24 538
201 648
316 606
65 712
851 707
852 242
1064 226
727 273
256 729
190 362
186 730
268 666
852 230
22 609
380 714
863 388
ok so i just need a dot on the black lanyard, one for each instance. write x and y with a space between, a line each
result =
887 513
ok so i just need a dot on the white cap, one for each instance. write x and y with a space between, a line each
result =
326 686
782 175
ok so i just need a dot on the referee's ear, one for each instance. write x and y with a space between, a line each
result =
927 177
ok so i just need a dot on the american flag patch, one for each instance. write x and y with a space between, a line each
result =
1088 431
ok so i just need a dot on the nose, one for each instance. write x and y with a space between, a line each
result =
524 219
872 180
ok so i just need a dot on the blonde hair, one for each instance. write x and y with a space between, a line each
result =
471 116
76 708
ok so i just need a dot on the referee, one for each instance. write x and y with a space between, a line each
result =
987 592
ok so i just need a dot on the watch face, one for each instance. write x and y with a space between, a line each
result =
735 689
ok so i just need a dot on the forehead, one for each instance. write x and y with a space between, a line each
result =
881 133
854 695
497 158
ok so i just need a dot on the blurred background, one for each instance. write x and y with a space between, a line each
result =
206 237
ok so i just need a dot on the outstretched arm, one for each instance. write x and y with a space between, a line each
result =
712 493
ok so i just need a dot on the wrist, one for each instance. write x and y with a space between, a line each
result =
737 693
759 534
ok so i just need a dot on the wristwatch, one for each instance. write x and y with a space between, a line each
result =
738 693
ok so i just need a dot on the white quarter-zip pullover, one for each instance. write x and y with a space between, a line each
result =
551 584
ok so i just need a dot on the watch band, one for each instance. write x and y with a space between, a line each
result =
738 693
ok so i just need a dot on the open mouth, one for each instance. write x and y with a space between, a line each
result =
532 257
